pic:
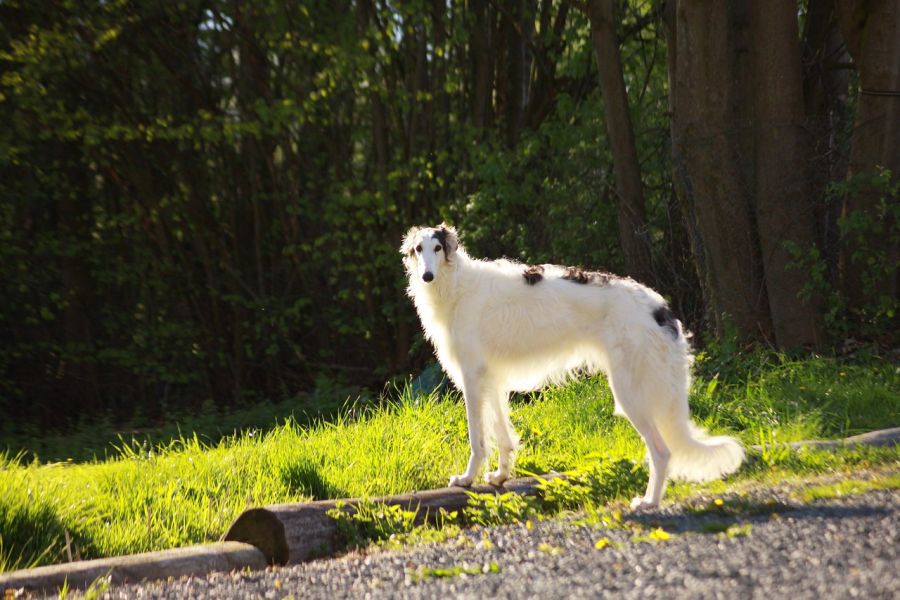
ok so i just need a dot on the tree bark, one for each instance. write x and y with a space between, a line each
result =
784 209
708 166
482 46
826 85
630 208
871 30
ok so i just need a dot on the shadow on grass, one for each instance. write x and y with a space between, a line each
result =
304 478
31 535
102 439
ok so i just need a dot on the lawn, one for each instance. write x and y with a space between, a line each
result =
187 490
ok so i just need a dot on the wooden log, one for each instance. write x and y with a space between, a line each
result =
293 533
879 438
192 560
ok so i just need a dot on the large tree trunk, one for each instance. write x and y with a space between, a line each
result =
784 210
516 77
871 30
689 218
709 165
482 45
630 206
826 83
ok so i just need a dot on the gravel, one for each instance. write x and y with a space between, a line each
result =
839 548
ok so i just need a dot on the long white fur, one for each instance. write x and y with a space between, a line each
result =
495 334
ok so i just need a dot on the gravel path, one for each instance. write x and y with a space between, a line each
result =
838 548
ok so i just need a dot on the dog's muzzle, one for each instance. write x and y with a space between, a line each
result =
428 276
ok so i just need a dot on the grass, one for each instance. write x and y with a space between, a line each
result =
850 487
187 490
455 571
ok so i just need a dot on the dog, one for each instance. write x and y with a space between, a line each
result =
499 326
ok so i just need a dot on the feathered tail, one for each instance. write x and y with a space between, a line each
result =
697 457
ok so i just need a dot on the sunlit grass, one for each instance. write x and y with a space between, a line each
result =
850 487
188 491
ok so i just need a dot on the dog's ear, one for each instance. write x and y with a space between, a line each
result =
410 241
450 239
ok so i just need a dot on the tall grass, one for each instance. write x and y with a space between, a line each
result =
188 491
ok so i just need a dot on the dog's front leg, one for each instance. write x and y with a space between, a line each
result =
475 416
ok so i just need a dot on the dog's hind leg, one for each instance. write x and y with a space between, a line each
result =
506 437
659 464
474 391
629 398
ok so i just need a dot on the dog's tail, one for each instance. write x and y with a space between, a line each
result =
697 457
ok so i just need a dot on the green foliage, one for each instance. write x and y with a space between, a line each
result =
599 484
365 522
772 453
873 236
97 588
497 509
213 216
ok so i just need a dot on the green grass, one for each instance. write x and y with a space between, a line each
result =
455 571
850 487
187 490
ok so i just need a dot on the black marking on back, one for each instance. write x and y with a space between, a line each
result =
664 317
533 274
578 275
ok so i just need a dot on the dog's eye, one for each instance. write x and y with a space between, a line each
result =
419 248
438 248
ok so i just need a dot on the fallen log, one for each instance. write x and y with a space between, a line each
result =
293 533
879 438
191 560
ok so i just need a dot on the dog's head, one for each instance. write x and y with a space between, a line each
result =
426 250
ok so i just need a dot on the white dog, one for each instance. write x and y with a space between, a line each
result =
500 326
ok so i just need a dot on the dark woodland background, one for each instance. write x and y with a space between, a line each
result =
201 201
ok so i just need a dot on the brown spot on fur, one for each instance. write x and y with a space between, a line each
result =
444 238
441 236
665 318
578 275
533 274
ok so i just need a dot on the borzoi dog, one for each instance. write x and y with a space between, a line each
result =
500 326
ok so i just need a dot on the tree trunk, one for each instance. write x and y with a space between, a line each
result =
482 64
77 367
516 79
871 30
784 210
708 165
679 175
826 83
631 213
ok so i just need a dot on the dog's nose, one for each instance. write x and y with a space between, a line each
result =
428 276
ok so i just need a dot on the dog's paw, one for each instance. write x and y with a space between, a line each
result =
640 503
496 477
460 481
